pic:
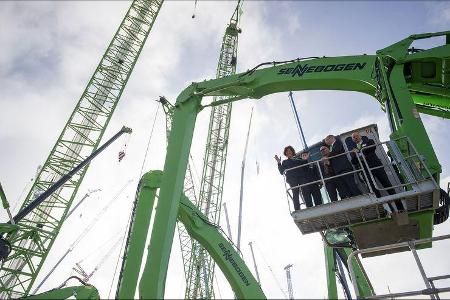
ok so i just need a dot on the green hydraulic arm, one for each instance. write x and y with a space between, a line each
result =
364 285
381 76
80 137
206 233
186 243
82 292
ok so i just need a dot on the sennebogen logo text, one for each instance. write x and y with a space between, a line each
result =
299 70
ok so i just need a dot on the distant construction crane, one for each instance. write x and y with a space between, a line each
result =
254 263
82 235
198 265
87 276
241 192
289 281
80 137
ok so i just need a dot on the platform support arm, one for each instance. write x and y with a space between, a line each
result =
137 235
330 267
77 292
241 280
365 288
169 198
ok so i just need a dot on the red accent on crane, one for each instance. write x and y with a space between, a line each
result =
121 155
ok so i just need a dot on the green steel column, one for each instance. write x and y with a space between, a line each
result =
154 275
364 286
78 292
330 267
137 237
241 280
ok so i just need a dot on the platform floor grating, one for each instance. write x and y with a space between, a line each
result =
358 210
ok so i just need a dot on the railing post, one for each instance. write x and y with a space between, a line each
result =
412 247
322 180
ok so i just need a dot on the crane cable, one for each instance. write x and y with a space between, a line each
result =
97 250
271 271
101 262
121 250
195 8
149 141
125 143
132 210
82 235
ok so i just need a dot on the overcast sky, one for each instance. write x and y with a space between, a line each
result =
49 50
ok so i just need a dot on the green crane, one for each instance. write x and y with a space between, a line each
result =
381 76
198 265
80 136
384 76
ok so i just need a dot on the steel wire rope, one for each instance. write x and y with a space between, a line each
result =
149 141
25 188
271 271
82 235
274 63
125 235
218 288
195 168
107 242
118 258
103 259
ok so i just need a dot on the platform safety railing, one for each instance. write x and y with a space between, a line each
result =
412 170
430 289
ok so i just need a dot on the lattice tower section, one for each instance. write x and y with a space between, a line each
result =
79 138
199 268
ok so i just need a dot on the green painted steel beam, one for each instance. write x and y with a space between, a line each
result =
240 278
169 196
137 235
77 292
364 286
330 269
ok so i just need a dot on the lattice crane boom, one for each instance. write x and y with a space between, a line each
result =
80 137
199 280
198 265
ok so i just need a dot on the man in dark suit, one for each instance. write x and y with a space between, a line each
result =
341 165
292 176
363 146
308 174
331 185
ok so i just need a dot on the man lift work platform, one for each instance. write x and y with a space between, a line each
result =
377 221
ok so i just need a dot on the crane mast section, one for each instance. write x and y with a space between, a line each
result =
79 138
200 266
